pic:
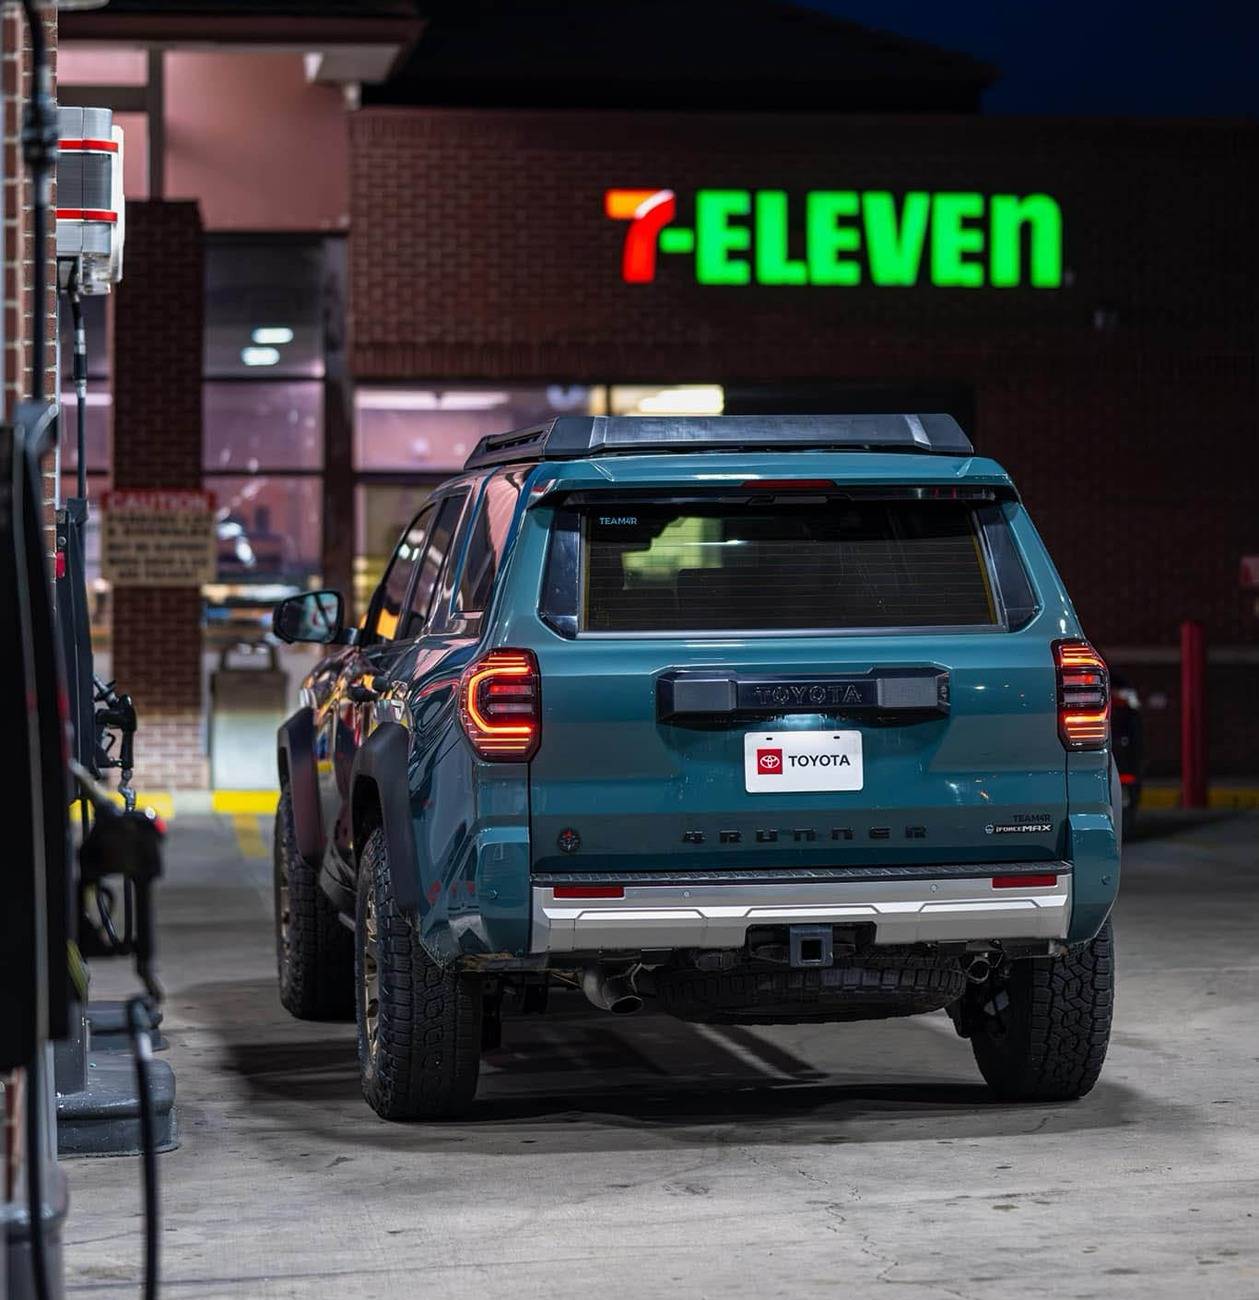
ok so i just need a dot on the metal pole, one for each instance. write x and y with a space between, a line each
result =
80 377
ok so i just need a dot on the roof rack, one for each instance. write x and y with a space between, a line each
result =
572 437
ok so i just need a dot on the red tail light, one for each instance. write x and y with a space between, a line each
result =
500 705
1083 696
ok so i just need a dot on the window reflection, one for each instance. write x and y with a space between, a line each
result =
257 294
268 528
435 428
262 426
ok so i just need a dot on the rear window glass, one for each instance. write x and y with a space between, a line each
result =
730 568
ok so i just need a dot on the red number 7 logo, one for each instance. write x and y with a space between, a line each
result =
648 212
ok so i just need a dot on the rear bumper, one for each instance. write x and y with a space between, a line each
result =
948 908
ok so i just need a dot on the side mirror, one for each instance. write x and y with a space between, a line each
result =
312 616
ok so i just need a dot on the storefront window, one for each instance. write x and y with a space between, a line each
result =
265 425
262 308
269 528
433 428
666 399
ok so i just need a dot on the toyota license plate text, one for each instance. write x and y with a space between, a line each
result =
775 761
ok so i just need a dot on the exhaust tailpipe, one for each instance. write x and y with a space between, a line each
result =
979 970
611 991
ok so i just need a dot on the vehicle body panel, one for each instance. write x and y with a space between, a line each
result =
651 795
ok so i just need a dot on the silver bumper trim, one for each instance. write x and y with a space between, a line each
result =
718 916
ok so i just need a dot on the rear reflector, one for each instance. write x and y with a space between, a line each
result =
1127 778
1083 696
589 891
1043 880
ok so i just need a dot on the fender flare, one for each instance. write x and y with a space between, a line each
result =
295 756
380 772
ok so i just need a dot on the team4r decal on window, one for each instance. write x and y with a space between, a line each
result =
802 760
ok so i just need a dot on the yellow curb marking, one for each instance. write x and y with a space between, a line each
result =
249 835
244 801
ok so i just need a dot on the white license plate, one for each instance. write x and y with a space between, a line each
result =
776 761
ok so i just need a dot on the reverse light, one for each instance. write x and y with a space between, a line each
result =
1083 696
500 705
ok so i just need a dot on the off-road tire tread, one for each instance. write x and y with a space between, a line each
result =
318 983
1058 1025
429 1052
870 987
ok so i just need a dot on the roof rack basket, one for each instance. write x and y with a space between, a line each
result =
570 437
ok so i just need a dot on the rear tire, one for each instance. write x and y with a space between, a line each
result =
1049 1041
314 951
419 1025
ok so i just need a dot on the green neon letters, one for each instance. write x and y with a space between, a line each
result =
719 236
960 239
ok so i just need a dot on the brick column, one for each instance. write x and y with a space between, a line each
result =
18 324
157 342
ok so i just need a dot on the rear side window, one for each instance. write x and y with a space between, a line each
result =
779 567
384 618
485 546
431 564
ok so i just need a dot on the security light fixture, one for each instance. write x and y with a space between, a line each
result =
272 334
260 356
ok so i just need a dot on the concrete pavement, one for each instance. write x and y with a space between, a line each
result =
642 1156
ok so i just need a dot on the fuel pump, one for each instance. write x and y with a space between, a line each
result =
56 909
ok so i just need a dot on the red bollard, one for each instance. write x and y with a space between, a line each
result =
1193 716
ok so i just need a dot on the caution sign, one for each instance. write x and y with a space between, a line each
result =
158 537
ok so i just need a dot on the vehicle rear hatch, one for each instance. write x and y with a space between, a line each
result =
785 673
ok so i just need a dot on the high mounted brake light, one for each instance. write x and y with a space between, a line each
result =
1083 696
500 705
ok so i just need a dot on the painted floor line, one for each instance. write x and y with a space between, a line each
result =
248 828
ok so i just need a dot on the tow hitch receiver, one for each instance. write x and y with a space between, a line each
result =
811 945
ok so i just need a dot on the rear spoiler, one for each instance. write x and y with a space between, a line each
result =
594 489
576 437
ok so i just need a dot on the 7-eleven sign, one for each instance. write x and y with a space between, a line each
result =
954 239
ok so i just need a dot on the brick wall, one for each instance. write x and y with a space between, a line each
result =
18 292
1124 402
157 348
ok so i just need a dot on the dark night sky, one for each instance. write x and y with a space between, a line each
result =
1178 58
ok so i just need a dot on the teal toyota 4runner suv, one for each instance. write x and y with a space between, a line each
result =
748 720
